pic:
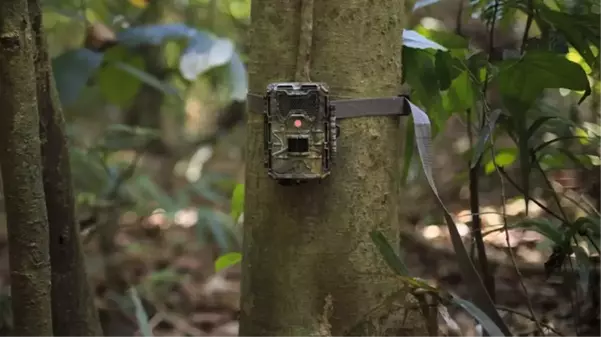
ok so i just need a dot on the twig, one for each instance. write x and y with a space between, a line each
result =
528 24
474 171
510 251
521 190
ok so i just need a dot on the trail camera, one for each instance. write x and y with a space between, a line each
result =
300 130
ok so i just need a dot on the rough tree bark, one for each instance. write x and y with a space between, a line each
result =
20 162
73 309
309 266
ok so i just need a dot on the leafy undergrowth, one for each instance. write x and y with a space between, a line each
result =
175 278
429 255
182 295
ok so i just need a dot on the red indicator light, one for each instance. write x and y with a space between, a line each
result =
298 123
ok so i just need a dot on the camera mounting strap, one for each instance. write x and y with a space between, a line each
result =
350 108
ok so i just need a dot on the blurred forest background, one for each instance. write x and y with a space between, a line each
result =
153 93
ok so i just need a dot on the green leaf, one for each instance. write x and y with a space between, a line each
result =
447 68
525 79
581 30
503 157
420 73
141 315
413 39
460 95
72 71
147 78
445 38
237 204
119 87
227 260
487 323
391 258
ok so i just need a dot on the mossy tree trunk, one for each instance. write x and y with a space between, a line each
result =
309 266
21 165
73 309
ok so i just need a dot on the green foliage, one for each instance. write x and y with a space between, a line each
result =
391 258
418 286
227 260
237 204
521 81
123 70
447 77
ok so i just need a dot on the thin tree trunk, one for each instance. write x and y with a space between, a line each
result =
20 162
309 266
73 309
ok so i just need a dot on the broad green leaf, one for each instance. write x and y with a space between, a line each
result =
460 95
447 68
141 315
237 204
526 78
445 38
419 71
72 71
227 260
391 258
487 323
485 133
119 87
413 39
468 271
584 138
503 158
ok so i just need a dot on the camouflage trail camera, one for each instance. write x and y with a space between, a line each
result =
300 130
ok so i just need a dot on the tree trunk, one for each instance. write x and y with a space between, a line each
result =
309 265
73 309
20 162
